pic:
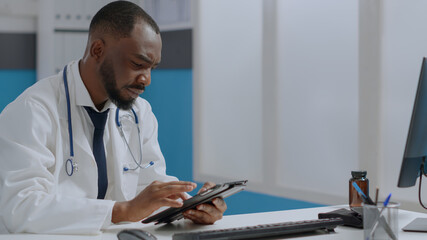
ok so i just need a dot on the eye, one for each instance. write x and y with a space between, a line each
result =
136 64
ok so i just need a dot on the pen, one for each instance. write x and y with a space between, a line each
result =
365 198
377 219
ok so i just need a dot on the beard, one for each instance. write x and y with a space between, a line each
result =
110 85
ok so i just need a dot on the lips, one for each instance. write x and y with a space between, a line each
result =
134 92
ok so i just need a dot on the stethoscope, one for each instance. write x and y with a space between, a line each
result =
71 165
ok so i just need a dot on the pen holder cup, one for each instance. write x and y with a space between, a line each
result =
381 222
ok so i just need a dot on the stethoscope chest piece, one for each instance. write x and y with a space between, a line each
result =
71 167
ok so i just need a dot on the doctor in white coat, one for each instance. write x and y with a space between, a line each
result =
41 191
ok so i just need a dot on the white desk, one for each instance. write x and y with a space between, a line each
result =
163 232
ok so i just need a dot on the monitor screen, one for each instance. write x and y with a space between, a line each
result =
416 142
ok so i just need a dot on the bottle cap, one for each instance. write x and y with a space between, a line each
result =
358 174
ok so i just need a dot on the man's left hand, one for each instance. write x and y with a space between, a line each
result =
207 213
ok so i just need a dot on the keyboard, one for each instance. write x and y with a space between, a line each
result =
264 230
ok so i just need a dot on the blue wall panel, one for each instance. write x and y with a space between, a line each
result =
251 202
13 83
170 95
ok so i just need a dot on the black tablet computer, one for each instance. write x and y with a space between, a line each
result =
220 190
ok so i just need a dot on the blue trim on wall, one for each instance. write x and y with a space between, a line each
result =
13 83
170 95
251 202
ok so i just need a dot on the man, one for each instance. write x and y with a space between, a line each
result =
60 171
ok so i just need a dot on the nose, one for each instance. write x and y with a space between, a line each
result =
145 77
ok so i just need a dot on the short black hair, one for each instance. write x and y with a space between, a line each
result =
118 19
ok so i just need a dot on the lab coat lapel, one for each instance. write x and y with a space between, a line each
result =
115 156
79 140
83 181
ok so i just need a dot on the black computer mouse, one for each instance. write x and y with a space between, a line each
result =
135 234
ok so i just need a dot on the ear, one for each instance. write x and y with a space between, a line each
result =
97 49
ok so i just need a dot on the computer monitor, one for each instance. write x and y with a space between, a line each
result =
416 142
414 157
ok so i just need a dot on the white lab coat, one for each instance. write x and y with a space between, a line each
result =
36 194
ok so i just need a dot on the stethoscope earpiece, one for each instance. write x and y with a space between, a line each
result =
125 169
120 128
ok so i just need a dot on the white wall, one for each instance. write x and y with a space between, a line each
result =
229 62
327 89
18 16
318 95
309 86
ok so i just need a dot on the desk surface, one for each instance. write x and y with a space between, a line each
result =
163 232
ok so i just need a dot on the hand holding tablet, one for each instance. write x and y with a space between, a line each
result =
219 191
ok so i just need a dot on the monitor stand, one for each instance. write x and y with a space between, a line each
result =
417 225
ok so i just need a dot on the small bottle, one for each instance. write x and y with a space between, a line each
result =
360 178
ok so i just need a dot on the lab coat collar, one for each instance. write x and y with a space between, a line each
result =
82 96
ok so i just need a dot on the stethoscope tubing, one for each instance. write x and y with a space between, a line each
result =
70 165
70 126
119 126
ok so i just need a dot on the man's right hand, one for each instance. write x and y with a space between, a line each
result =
156 195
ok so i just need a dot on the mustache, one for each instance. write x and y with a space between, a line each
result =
141 87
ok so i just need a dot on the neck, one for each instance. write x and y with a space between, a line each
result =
93 83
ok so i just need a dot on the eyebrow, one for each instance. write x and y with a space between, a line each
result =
146 59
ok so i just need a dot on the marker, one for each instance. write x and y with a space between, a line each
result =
365 198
